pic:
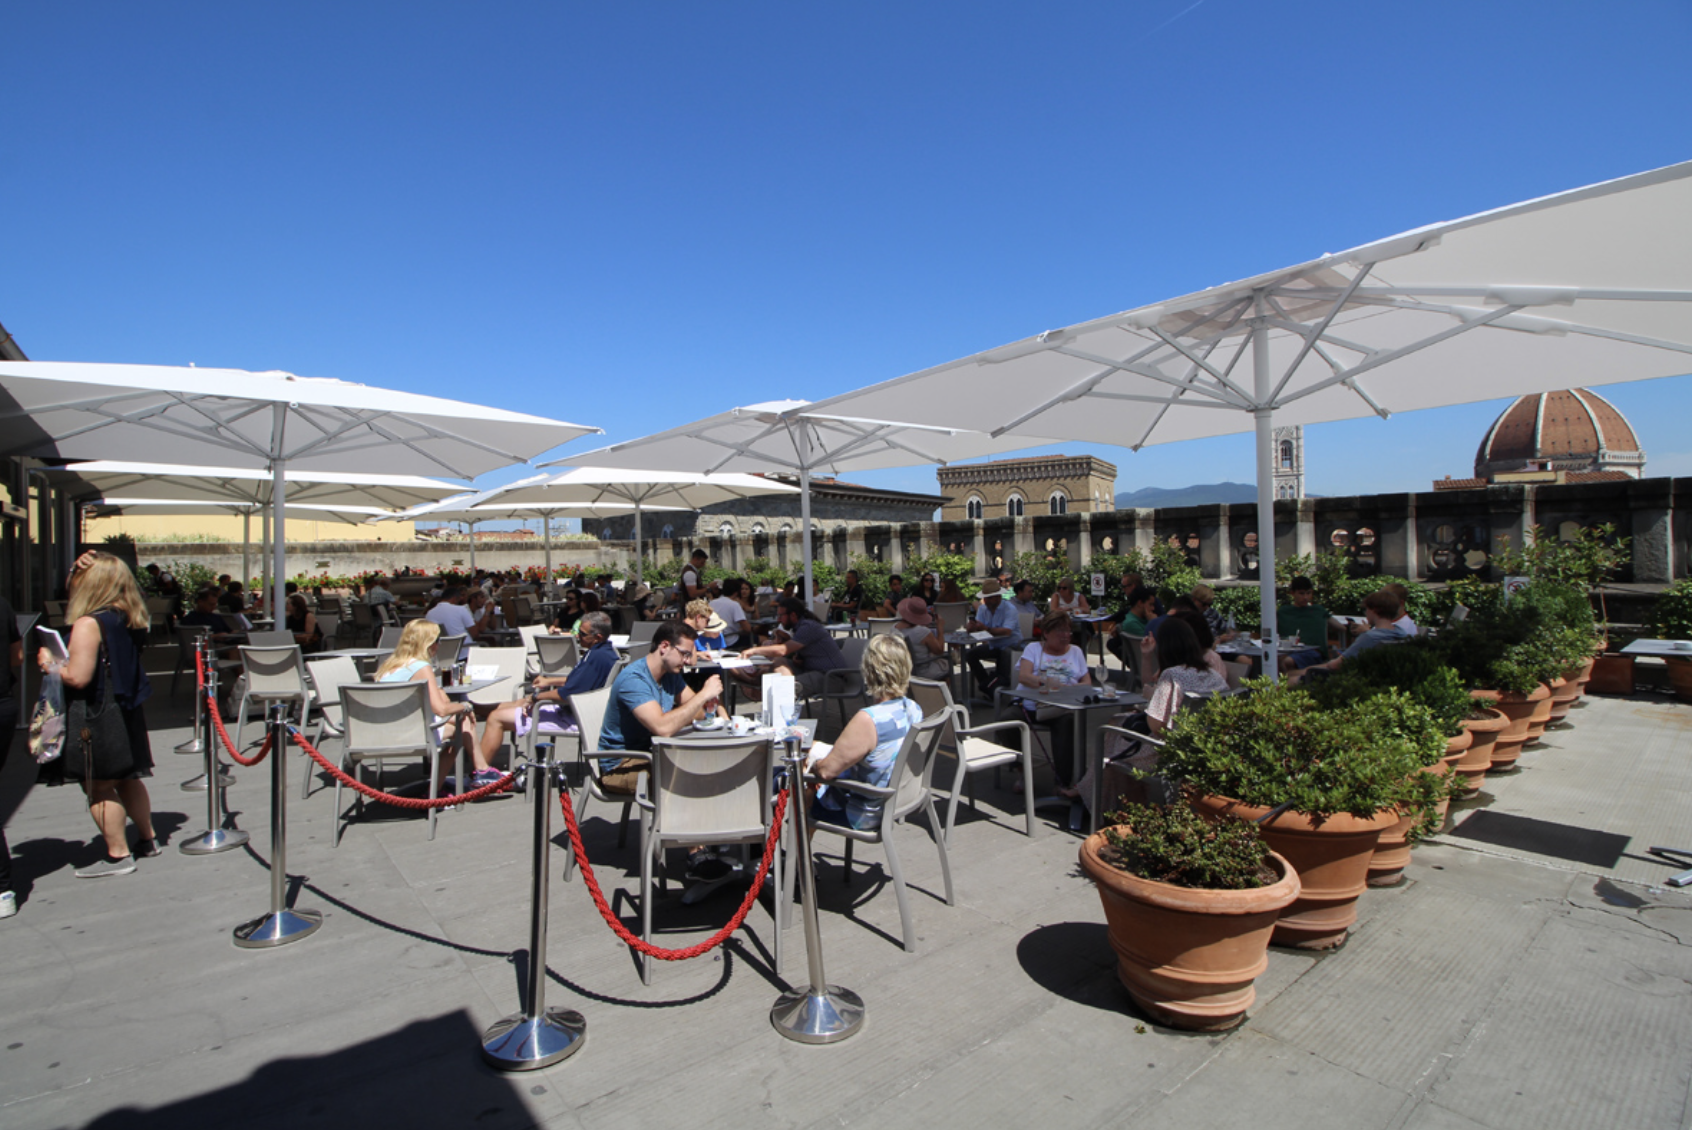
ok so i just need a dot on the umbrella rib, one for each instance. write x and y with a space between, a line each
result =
1203 363
1167 404
1314 334
1074 392
1376 360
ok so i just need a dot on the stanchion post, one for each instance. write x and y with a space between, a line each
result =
198 743
538 1036
281 925
821 1013
216 837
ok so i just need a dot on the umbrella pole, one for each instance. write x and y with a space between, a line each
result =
278 539
640 562
264 559
472 528
1265 492
546 525
246 546
805 509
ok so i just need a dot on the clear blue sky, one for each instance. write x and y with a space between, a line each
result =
634 215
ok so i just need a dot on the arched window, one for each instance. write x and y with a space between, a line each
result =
973 508
605 534
726 530
1058 503
757 529
667 532
1286 455
1013 506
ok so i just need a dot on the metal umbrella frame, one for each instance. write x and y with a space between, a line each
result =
471 509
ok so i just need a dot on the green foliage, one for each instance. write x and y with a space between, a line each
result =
1112 565
1591 557
959 567
191 575
1045 570
1167 572
1515 644
1414 668
1329 570
1671 614
872 574
763 571
1177 845
1279 746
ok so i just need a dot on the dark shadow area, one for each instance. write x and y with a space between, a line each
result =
428 1073
1542 837
1074 960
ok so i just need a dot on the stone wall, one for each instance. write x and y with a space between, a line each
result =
345 558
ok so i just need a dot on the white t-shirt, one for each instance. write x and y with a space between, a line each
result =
454 619
732 614
689 579
1066 669
1407 625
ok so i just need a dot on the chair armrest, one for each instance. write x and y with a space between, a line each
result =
1004 724
874 792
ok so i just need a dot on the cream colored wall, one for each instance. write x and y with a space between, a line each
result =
227 527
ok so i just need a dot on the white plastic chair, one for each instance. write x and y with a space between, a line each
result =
447 651
642 631
390 637
911 789
972 753
706 791
383 721
270 639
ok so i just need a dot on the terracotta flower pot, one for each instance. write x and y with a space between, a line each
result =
1521 710
1581 675
1392 850
1680 677
1564 691
1477 759
1611 674
1332 861
1187 956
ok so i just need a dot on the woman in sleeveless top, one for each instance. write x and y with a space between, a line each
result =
871 740
413 662
108 632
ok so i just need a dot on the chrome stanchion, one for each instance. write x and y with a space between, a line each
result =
216 837
281 925
537 1036
822 1013
197 743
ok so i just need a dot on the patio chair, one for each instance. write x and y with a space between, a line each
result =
158 612
327 677
384 721
706 791
882 627
363 622
952 616
642 631
910 789
527 610
971 753
1025 626
589 709
843 690
274 674
390 637
448 649
507 662
555 655
270 639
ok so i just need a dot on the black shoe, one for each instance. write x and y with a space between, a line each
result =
146 849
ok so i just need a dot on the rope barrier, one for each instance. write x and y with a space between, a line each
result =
373 793
217 716
640 944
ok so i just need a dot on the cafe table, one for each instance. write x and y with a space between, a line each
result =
1074 700
1660 649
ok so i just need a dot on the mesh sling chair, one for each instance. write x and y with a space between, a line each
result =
555 655
327 677
973 753
910 789
274 673
506 664
383 721
706 791
589 708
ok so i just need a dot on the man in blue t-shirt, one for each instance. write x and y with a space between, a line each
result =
650 699
1380 609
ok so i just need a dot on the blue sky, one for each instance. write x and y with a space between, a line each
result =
634 215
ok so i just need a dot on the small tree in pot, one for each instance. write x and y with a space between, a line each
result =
1191 904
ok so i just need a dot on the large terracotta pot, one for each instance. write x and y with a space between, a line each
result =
1477 759
1332 860
1581 675
1186 956
1520 709
1680 677
1392 850
1611 674
1564 691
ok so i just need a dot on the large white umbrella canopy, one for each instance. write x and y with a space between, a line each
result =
116 507
1586 287
794 436
631 488
272 420
476 507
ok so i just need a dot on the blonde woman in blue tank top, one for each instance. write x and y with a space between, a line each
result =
413 662
871 740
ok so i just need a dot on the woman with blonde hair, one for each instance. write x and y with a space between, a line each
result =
871 740
109 625
413 662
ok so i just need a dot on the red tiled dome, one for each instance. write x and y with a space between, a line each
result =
1573 429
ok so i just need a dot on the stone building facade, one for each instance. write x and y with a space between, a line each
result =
1016 488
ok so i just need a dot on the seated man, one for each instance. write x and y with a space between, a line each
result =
803 647
1134 619
205 615
546 705
889 609
995 616
731 610
1306 620
455 617
851 600
1380 608
650 699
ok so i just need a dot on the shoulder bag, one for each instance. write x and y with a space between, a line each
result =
99 740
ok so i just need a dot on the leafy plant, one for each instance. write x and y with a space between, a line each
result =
1516 642
957 566
1044 570
1671 614
1243 603
1592 556
1413 668
1177 845
1279 746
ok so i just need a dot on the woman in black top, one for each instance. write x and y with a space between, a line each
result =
302 621
108 632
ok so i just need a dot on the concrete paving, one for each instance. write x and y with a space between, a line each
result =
1529 973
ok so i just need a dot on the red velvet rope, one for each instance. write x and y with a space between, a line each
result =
640 944
352 782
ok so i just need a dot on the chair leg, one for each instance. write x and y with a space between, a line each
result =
778 866
646 897
434 786
958 781
905 926
340 820
846 871
940 842
623 827
1028 789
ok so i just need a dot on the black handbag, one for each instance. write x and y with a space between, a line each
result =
98 745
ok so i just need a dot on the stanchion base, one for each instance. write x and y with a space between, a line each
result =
813 1018
210 843
198 784
192 745
278 929
522 1043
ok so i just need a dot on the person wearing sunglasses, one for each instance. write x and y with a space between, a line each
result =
547 703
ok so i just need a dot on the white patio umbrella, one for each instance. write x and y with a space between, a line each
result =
793 436
632 488
1586 287
467 508
243 491
274 420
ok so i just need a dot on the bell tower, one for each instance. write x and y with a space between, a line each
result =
1289 462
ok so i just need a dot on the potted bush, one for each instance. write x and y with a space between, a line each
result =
1325 784
1190 904
1671 619
1414 669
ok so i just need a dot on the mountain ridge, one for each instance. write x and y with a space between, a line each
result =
1199 494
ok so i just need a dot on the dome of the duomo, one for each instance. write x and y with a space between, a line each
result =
1571 430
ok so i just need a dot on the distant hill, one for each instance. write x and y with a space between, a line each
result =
1202 494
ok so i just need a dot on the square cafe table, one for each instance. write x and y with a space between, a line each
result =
1660 649
1072 699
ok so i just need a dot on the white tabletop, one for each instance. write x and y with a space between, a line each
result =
1666 649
